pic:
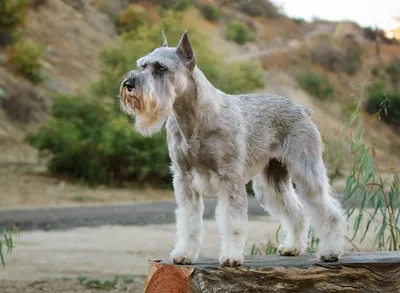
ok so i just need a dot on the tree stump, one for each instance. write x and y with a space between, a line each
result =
355 272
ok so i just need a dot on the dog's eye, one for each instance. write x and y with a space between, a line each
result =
159 68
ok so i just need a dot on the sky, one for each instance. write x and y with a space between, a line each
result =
364 12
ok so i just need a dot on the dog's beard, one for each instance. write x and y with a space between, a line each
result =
149 113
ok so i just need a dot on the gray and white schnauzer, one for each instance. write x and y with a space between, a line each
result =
219 142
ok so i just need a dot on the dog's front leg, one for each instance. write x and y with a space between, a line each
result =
189 221
231 216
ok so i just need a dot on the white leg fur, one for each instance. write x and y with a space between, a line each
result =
287 208
189 222
322 208
231 216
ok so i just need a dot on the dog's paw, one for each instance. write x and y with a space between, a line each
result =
330 257
286 250
330 251
182 258
231 261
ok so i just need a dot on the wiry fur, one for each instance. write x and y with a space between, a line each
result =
219 142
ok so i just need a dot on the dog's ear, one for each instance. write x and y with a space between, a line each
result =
165 42
185 51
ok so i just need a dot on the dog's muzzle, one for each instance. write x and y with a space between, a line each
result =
130 96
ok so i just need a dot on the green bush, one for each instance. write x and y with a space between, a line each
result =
385 102
353 56
240 78
12 15
393 70
131 18
211 12
375 70
92 142
176 5
318 86
25 59
237 31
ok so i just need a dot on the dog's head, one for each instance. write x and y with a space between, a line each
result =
150 92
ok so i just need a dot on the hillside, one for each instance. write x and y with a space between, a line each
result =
73 32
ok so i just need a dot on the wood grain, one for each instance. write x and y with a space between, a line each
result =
355 272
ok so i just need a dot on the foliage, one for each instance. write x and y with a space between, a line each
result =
211 12
240 77
393 70
352 58
95 283
12 13
379 96
257 8
89 141
131 18
6 242
176 5
25 59
375 71
237 31
368 195
377 35
318 86
299 20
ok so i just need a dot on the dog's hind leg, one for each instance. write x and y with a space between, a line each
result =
308 171
274 190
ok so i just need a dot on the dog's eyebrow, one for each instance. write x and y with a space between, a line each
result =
154 59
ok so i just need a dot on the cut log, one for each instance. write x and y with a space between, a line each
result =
355 272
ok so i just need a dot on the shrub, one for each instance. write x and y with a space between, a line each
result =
25 59
318 86
241 78
393 70
89 141
352 57
375 71
237 31
257 8
326 55
131 18
385 102
177 5
299 20
6 242
211 12
12 14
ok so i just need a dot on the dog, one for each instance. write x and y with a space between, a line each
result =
218 142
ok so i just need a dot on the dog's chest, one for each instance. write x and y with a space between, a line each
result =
199 155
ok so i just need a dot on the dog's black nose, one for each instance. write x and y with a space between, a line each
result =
129 84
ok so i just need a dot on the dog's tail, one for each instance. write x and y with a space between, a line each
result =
307 110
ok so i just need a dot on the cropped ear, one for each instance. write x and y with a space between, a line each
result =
165 42
185 51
